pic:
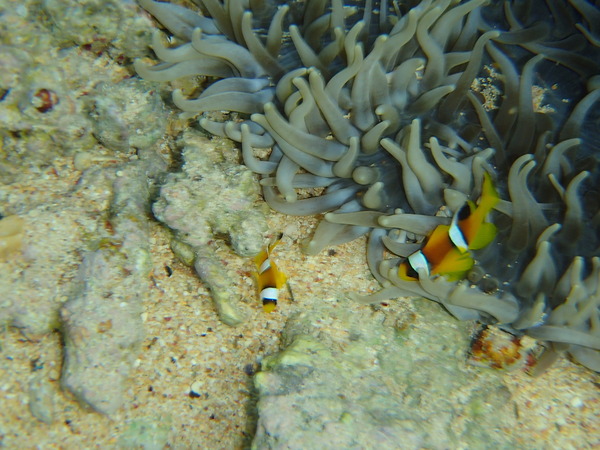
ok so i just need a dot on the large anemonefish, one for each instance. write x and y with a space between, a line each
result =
269 278
446 250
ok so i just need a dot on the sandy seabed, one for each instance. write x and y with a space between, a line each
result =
192 382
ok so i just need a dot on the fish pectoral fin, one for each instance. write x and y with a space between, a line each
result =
485 235
455 276
455 265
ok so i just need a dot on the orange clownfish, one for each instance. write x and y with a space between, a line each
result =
269 278
446 249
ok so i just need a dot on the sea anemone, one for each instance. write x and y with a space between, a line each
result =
385 117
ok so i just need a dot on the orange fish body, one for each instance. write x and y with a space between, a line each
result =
269 278
437 257
446 250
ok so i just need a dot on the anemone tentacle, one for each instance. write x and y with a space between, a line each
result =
399 118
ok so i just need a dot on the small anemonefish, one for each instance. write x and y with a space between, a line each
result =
446 249
269 278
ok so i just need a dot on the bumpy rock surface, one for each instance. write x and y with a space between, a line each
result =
213 197
102 320
356 380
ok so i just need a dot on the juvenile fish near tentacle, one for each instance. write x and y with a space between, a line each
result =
269 278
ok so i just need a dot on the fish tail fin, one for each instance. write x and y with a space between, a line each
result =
275 243
489 194
260 258
266 253
486 232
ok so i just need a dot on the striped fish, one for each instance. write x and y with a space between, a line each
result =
269 278
446 250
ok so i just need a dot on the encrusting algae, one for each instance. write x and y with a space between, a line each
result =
11 235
